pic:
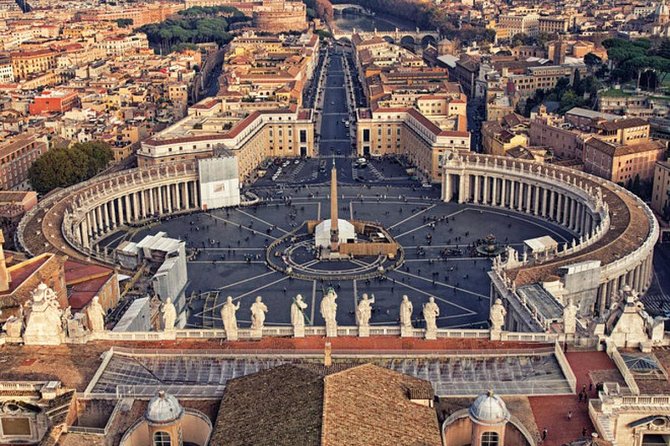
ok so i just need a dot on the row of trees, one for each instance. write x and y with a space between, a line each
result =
640 60
582 93
192 29
63 167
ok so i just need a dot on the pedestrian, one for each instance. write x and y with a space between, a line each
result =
569 415
590 387
544 434
581 396
584 432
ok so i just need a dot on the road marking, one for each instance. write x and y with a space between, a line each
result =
427 224
437 282
467 311
412 216
243 227
262 221
246 280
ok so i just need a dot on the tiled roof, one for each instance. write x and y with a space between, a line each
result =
278 406
370 405
337 405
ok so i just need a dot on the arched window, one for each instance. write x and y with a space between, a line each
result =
490 439
163 439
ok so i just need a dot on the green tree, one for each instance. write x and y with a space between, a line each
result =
63 167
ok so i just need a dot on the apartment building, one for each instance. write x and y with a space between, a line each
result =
29 62
622 163
260 135
407 132
16 156
55 101
660 194
528 24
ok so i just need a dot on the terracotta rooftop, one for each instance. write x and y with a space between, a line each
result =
353 405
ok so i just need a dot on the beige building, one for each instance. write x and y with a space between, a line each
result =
621 163
260 135
26 63
406 131
660 194
520 24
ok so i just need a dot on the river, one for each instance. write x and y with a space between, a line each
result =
348 21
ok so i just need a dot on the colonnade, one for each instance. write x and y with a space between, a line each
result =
522 195
572 199
136 205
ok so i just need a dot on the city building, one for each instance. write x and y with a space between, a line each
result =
16 156
660 194
54 101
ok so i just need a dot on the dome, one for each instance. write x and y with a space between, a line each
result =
489 409
163 408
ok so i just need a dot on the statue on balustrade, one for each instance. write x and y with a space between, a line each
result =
329 312
229 318
169 315
96 315
430 313
406 310
298 316
258 310
43 324
498 313
364 310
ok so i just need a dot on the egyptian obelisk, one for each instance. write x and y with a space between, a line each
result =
334 231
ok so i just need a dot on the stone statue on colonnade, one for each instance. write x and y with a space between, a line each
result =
230 319
96 315
329 312
363 315
169 315
406 309
298 316
258 310
497 315
430 313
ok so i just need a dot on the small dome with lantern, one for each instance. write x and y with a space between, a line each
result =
489 409
163 409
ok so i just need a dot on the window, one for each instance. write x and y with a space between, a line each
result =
490 439
16 426
163 439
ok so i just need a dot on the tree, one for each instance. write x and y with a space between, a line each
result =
63 167
591 60
124 23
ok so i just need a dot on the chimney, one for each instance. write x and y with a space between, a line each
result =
327 355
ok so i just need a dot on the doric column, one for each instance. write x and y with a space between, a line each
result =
112 205
519 204
170 200
187 193
636 278
477 180
448 187
503 187
566 210
177 196
100 225
494 199
536 191
529 198
487 192
85 232
136 206
552 199
461 188
602 301
159 193
126 209
152 207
